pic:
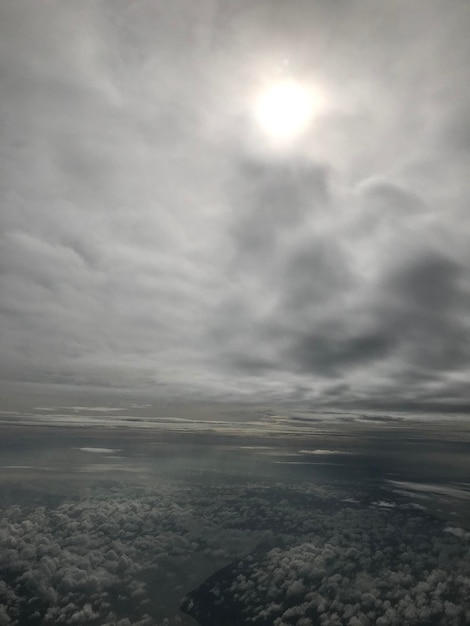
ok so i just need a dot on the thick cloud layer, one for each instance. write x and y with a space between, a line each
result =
151 237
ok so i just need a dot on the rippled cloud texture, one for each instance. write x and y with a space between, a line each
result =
152 239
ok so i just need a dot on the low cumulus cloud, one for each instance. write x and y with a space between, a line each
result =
283 553
152 239
347 573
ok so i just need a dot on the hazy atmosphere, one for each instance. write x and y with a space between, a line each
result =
234 313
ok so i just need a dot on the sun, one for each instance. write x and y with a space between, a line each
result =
284 110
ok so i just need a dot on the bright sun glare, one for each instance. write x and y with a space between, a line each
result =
284 110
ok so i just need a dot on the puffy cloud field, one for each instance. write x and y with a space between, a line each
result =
359 567
284 553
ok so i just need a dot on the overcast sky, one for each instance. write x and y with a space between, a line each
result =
153 238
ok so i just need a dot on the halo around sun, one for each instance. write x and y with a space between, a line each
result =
284 110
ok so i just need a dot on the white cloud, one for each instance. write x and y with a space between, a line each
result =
100 450
324 452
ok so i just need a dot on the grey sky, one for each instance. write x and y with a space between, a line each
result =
152 239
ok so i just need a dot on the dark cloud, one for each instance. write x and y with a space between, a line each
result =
329 353
425 307
271 202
